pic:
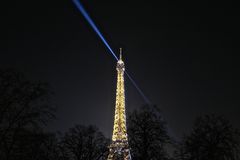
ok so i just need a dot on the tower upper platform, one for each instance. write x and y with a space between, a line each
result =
120 63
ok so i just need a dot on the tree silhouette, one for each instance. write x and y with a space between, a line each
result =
24 107
85 143
147 134
36 146
212 138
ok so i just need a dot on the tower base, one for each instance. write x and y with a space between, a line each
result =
119 150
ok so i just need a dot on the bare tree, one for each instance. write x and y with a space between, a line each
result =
147 134
212 138
24 105
85 143
36 146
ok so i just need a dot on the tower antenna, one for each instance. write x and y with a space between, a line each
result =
120 50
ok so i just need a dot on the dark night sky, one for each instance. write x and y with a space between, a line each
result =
183 54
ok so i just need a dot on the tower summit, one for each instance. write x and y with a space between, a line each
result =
119 148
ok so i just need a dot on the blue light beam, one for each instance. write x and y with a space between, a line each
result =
94 27
138 89
92 24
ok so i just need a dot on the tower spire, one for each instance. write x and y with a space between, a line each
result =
119 148
120 51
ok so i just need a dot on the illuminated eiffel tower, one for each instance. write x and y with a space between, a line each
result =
119 148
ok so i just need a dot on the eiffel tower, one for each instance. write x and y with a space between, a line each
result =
119 148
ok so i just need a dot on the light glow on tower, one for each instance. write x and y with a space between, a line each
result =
119 148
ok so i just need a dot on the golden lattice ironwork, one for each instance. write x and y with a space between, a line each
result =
119 148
